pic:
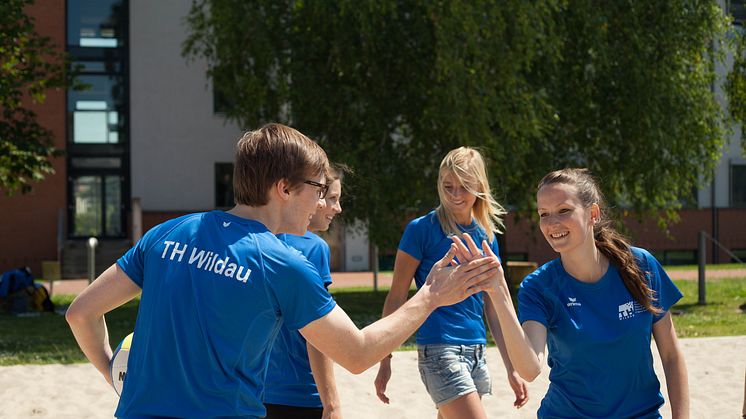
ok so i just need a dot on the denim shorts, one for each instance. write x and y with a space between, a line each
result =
452 371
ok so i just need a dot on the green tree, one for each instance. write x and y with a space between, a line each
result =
29 65
735 85
389 86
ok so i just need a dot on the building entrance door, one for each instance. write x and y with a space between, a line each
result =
96 208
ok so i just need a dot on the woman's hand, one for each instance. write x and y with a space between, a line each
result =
518 385
382 379
467 250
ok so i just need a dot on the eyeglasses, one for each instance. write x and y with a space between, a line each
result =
323 189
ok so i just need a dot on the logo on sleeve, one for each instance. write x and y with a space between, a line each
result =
226 224
573 302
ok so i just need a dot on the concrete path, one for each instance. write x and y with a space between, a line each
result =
365 279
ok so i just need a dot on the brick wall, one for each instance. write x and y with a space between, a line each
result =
524 235
28 223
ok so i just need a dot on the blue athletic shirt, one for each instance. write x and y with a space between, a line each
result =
458 324
289 380
215 290
599 340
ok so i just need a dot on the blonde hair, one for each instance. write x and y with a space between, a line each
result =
467 166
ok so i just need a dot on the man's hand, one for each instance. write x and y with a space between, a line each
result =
447 285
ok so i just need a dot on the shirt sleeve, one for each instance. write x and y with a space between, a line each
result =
531 303
665 292
320 256
133 262
411 240
300 293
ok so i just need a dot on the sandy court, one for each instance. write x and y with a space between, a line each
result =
716 378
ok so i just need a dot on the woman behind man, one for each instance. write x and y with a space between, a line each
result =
596 308
300 379
451 342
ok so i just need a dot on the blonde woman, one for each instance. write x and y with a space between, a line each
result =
451 342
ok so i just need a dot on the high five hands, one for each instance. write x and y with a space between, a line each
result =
467 251
451 281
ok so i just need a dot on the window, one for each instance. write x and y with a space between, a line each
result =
740 254
223 185
737 9
97 206
97 146
95 112
87 196
738 185
221 103
95 23
95 163
113 206
677 257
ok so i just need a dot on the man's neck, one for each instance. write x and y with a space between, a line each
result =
264 214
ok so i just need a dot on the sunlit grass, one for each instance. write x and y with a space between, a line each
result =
46 338
724 313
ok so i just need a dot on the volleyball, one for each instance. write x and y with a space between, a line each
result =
119 364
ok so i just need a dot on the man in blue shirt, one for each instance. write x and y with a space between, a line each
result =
217 286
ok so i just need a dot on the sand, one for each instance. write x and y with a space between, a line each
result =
716 382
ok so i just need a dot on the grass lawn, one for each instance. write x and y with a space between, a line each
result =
723 315
47 339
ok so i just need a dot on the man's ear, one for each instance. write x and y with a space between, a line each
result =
282 189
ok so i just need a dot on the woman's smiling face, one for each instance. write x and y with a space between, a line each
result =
324 215
563 219
458 199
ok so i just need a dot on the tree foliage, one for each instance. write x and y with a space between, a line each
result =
735 85
390 86
29 65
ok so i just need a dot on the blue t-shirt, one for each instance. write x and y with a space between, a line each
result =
289 380
215 290
599 340
458 324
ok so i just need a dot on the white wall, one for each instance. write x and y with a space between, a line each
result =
731 150
176 139
357 250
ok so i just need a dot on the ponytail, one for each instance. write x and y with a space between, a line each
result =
616 248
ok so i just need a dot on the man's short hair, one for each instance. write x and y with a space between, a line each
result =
270 154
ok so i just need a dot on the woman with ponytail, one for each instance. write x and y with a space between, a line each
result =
595 307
